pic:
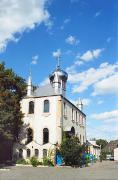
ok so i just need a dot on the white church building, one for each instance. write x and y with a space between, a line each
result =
47 114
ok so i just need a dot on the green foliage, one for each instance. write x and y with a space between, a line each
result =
47 162
21 161
101 142
71 151
34 161
104 154
12 89
87 160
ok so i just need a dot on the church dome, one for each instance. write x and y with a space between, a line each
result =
59 74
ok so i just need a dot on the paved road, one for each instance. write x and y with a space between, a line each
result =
99 171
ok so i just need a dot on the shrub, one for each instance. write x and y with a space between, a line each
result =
87 160
47 162
21 161
34 161
71 151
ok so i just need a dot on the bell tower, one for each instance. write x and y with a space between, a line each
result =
58 79
29 86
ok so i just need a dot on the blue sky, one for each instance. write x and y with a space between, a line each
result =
85 33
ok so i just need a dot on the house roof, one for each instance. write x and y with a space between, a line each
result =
46 90
111 145
89 143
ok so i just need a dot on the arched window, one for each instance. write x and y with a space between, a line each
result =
76 116
72 115
45 135
31 107
44 153
72 131
28 153
65 110
20 153
46 106
29 135
36 152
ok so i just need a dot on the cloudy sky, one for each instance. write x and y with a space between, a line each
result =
85 34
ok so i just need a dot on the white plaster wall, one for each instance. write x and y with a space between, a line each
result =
95 151
54 121
116 154
40 120
79 124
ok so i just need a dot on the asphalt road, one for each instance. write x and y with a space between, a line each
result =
98 171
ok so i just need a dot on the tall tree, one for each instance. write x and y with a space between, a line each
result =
12 89
101 142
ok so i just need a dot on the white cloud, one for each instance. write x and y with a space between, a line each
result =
85 101
91 54
106 116
72 40
68 52
92 76
34 59
57 53
87 56
19 16
97 52
107 125
105 131
67 20
109 39
79 62
100 102
45 82
97 14
71 70
106 86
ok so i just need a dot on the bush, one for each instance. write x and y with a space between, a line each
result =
88 160
21 161
71 151
47 162
34 161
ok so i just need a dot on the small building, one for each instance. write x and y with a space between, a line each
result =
94 149
47 114
116 154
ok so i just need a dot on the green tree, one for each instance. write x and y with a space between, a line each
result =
12 89
101 142
71 151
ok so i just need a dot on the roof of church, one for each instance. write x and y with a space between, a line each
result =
46 90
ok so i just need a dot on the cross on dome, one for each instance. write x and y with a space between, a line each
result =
57 56
58 60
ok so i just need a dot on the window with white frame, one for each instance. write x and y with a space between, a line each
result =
31 107
65 110
44 153
45 135
36 152
46 106
28 153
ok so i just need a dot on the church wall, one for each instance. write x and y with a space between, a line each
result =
40 120
58 118
69 120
